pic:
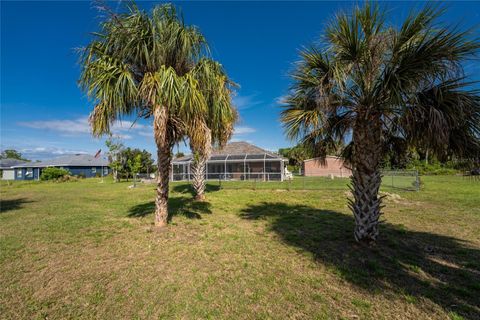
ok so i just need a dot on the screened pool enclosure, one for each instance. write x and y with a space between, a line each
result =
237 161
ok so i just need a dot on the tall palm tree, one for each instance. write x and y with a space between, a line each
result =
218 122
379 88
148 65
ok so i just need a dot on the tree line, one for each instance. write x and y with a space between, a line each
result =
126 162
413 158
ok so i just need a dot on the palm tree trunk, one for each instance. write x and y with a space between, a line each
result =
366 180
198 176
199 167
164 156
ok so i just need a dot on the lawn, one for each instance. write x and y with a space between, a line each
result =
86 250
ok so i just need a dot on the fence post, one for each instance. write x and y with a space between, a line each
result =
417 181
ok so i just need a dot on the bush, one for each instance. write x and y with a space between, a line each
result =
53 173
67 178
432 168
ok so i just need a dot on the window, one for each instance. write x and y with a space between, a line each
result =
94 170
29 173
105 170
19 173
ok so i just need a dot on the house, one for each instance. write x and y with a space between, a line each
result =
77 164
236 161
6 166
333 166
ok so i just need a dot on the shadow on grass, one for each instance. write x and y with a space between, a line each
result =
12 204
188 188
177 206
409 263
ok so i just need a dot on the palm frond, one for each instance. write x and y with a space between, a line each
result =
446 117
139 61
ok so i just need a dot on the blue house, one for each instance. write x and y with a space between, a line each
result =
77 164
6 167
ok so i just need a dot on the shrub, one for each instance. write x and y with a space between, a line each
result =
67 178
53 173
432 168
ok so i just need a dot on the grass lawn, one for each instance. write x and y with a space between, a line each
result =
86 250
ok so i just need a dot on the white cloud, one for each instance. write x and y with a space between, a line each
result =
77 126
245 102
128 125
146 133
81 126
123 136
41 153
280 100
243 130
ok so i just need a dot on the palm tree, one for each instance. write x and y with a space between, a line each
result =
218 122
148 65
381 88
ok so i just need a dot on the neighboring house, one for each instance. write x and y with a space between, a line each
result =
334 166
237 161
77 164
6 167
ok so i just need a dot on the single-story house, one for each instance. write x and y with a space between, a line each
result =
236 161
6 167
333 166
77 164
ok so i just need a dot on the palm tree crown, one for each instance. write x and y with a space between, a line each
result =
139 61
378 87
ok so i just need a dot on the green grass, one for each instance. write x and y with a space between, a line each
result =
86 250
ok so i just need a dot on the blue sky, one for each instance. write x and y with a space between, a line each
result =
43 112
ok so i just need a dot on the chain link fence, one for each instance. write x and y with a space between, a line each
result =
401 179
392 179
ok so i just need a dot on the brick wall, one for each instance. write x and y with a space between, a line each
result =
334 166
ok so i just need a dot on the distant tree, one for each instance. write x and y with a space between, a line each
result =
379 87
135 165
147 162
128 155
12 154
297 154
115 147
